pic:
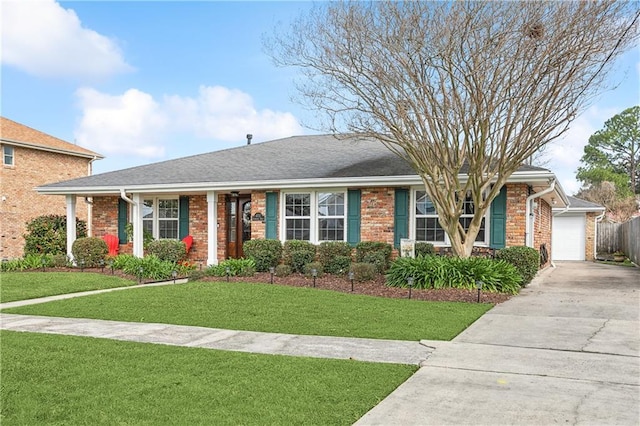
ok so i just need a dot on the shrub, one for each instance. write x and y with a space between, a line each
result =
311 266
376 253
60 261
454 272
11 265
265 253
91 250
335 256
237 268
425 249
298 253
525 259
283 270
363 271
167 250
48 234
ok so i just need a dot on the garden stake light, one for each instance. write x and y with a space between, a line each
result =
111 266
271 271
410 284
102 265
44 263
81 265
314 274
141 271
228 271
479 287
174 274
351 279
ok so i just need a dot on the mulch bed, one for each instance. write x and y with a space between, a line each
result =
375 287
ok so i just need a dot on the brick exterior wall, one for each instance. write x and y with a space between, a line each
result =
258 205
589 247
376 214
20 203
198 228
542 228
516 209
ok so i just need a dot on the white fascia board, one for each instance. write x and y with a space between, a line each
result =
570 210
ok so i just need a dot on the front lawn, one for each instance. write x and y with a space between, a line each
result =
30 285
49 379
272 308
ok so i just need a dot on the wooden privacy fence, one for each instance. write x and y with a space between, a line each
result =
620 236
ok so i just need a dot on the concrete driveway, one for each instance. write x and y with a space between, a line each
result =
565 351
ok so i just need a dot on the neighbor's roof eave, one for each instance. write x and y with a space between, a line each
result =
41 147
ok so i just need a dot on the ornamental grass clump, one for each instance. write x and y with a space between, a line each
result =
453 272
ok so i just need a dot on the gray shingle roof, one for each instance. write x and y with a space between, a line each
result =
293 158
577 203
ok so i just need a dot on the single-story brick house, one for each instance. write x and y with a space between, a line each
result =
316 188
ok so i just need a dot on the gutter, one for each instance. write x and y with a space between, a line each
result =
528 213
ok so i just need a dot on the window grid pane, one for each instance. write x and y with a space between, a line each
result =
331 216
298 229
7 152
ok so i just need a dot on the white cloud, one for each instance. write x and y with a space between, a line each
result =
134 123
565 153
228 115
131 123
42 38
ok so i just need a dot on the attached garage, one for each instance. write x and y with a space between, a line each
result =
573 233
568 237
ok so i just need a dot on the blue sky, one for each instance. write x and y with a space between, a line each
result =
141 82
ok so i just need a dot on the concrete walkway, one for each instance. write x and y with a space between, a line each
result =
565 351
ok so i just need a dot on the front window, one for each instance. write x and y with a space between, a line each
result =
427 227
160 218
7 155
315 216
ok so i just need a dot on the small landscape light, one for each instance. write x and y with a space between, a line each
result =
314 274
351 277
410 284
111 266
140 272
228 271
174 274
479 285
44 263
102 265
81 265
272 270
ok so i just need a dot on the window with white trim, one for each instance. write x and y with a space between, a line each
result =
427 227
314 216
7 155
160 217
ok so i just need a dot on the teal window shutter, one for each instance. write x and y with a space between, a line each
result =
122 221
401 216
271 217
498 220
353 216
183 217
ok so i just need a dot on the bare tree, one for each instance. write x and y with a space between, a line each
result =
456 88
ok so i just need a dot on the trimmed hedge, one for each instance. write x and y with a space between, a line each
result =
297 254
167 250
376 253
454 272
525 259
48 234
363 271
425 249
91 250
335 256
265 253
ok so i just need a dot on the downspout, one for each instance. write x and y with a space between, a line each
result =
530 198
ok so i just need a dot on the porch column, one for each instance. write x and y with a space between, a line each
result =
71 224
138 233
212 228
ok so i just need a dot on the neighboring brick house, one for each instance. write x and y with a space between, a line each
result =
30 159
315 188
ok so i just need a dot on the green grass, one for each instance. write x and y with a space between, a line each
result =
66 380
30 285
272 308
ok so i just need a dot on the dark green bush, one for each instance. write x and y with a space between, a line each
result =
236 267
335 256
283 270
425 249
525 259
454 272
309 267
265 253
91 250
363 271
48 234
167 250
378 254
60 261
298 253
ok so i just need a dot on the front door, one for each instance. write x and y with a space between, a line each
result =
239 229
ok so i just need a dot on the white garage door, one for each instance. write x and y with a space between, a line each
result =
568 237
